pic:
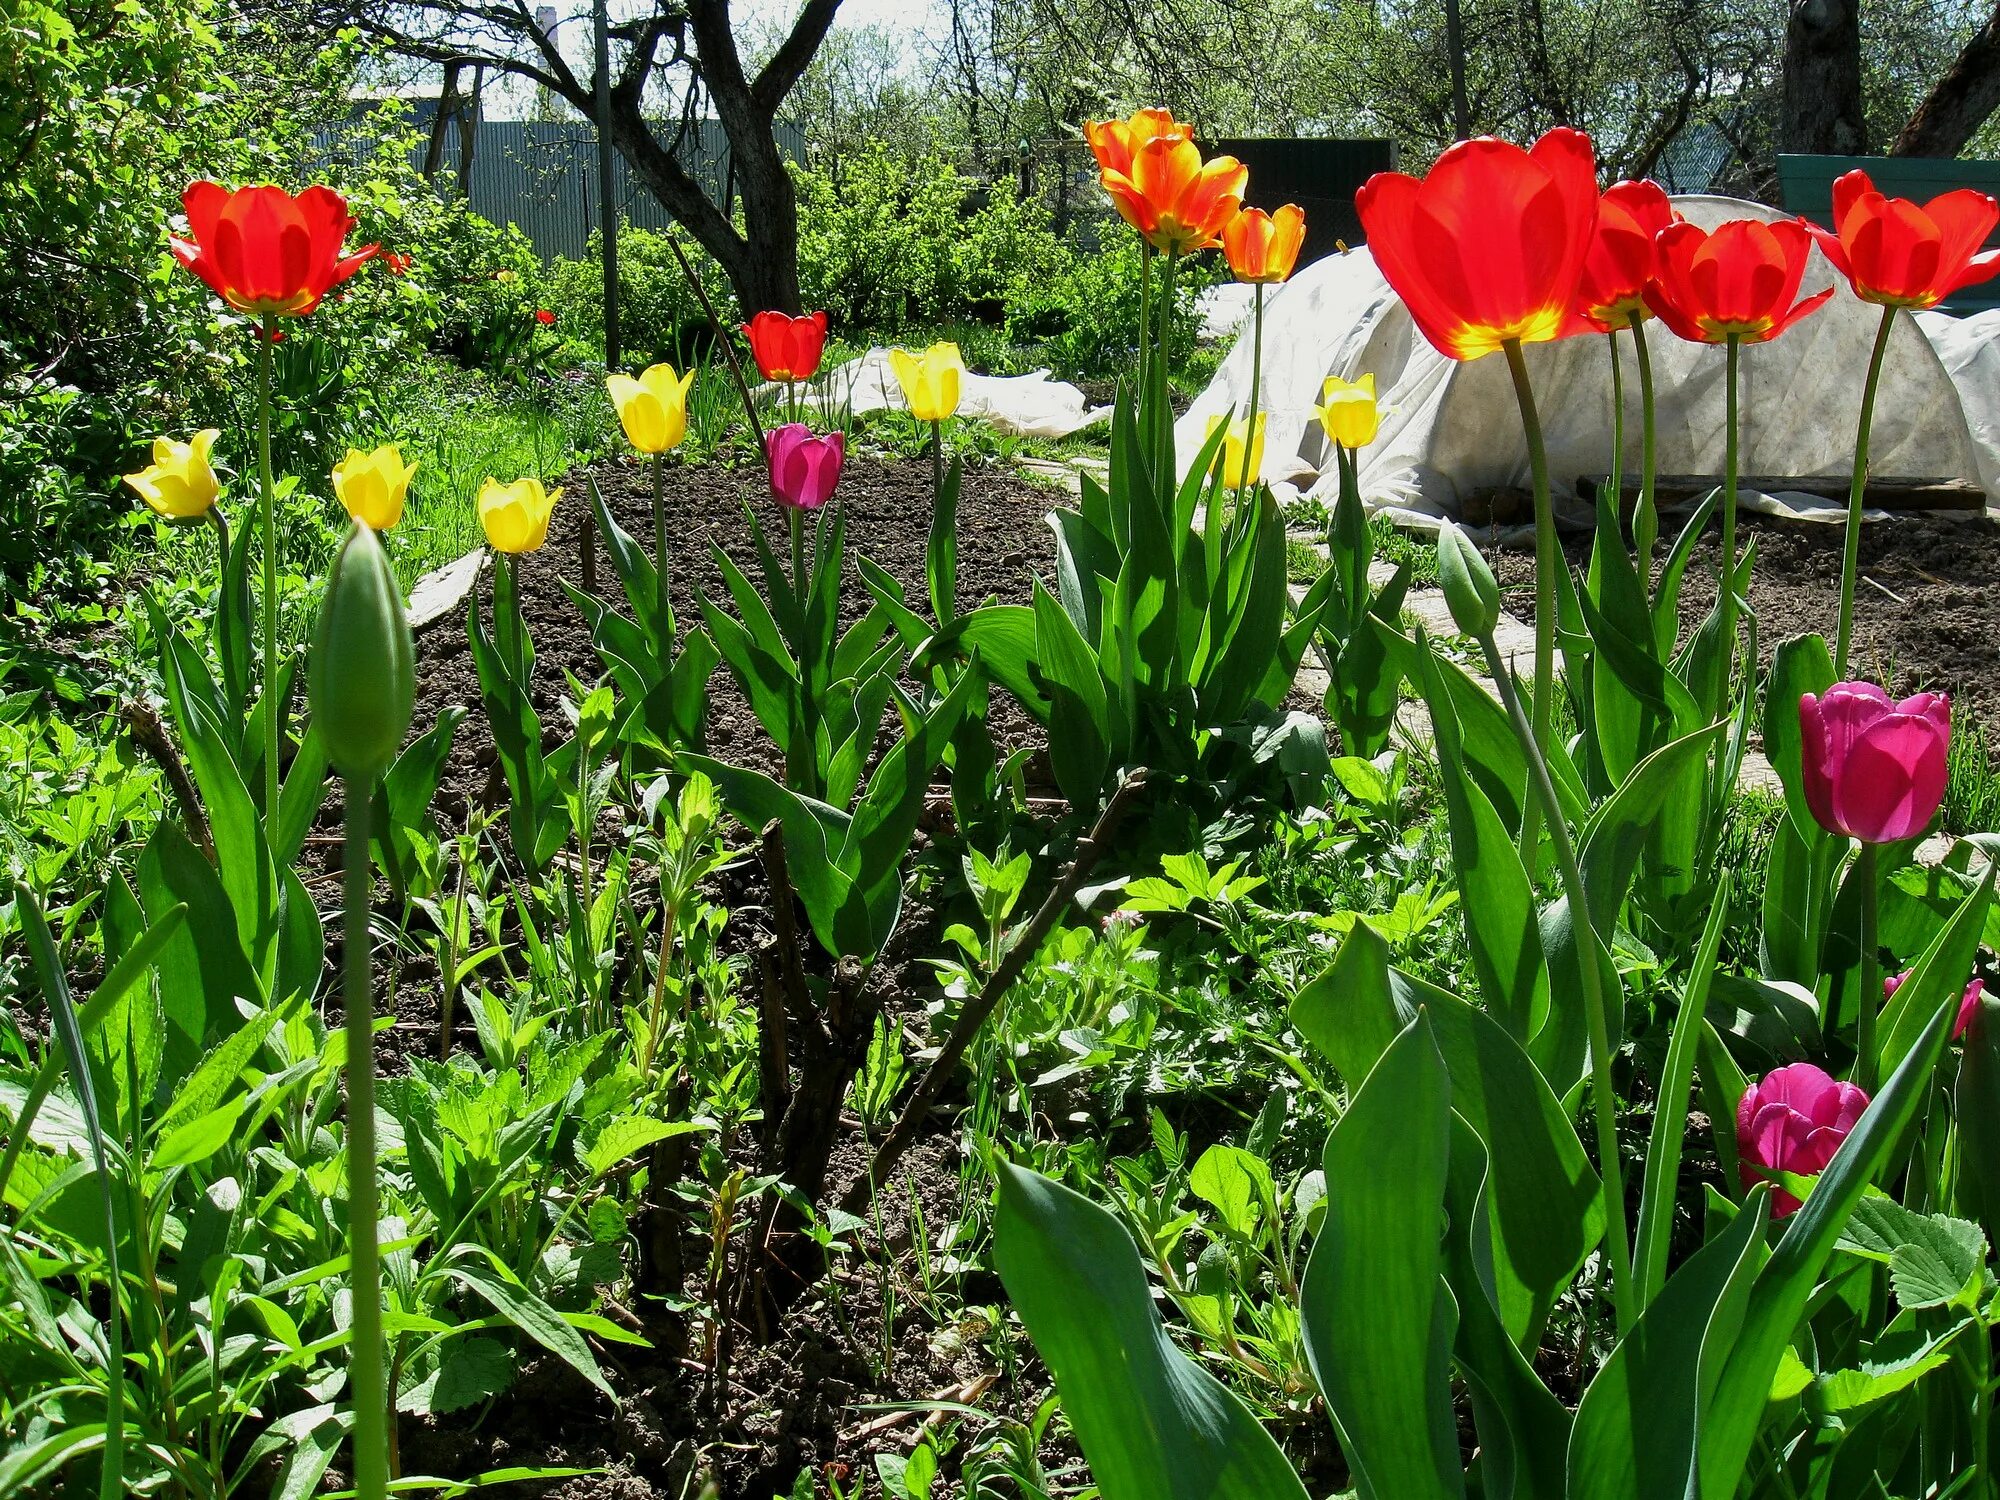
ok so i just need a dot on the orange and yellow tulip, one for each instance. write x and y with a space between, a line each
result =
1171 196
1896 253
1263 248
1112 142
265 252
1611 293
1740 280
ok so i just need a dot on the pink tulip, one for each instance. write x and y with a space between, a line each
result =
1793 1121
1874 768
804 468
1973 992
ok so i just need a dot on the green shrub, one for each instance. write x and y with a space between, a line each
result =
894 242
659 317
1085 321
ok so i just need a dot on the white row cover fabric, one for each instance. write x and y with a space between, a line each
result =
1452 428
1026 405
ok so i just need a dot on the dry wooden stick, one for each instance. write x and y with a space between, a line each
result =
150 735
1013 963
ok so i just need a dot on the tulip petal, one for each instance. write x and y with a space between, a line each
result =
1892 780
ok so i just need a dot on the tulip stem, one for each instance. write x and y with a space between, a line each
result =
937 468
273 706
1617 475
365 1374
1547 559
1871 982
1163 419
1857 491
1256 388
1727 582
1646 519
1145 316
1590 966
660 576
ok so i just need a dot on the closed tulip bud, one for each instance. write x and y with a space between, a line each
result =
1241 458
1468 584
363 673
516 516
1348 412
929 380
653 408
371 486
179 484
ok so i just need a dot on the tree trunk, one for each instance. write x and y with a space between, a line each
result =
1822 114
1960 102
1454 46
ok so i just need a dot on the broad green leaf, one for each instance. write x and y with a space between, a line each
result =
1151 1423
527 1312
1377 1317
1235 1183
1349 1013
1785 1285
627 1136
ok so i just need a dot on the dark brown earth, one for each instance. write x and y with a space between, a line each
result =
794 1402
1924 608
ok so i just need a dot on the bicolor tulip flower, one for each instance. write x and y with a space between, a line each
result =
1241 458
1611 293
372 486
1874 769
1348 412
1487 249
1739 280
179 484
398 264
265 252
930 380
653 408
1901 254
805 467
1968 1005
1793 1121
1171 196
1263 248
1112 142
516 516
787 348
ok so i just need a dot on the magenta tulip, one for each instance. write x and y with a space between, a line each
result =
1874 768
1966 1007
1793 1121
804 467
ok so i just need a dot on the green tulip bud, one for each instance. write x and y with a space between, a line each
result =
363 681
1468 583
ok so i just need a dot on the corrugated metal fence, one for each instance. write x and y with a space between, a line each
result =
542 175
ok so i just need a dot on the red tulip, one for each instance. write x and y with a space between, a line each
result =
1263 248
786 348
804 467
1611 293
1741 278
1898 254
1793 1121
264 251
398 265
544 317
1967 1007
1487 249
1874 769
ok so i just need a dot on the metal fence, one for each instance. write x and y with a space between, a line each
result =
542 175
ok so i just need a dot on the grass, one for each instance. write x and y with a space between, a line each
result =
1305 561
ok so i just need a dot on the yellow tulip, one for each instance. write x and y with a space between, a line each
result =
929 380
516 516
1239 468
1348 413
372 485
179 484
653 408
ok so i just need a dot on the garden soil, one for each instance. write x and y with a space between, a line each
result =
1926 612
797 1400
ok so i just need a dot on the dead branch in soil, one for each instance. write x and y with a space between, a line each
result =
1027 942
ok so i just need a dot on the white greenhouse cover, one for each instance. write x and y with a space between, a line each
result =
1450 427
1026 405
